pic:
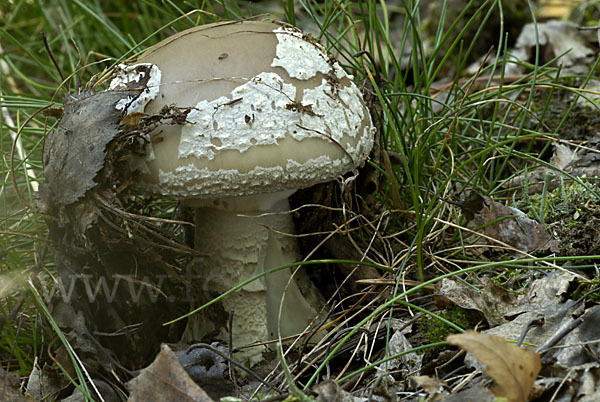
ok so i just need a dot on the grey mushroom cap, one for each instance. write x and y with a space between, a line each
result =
270 111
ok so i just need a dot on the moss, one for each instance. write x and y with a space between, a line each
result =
572 214
575 220
550 106
515 280
583 288
434 330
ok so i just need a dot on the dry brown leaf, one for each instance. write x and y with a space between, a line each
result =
330 391
491 300
431 385
560 39
513 369
508 225
165 380
563 43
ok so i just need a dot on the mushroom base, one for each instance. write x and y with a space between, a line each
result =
239 245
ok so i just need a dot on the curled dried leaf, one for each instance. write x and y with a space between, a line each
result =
513 369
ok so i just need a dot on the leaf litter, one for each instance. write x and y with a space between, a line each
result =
512 229
116 263
543 316
165 380
562 334
512 368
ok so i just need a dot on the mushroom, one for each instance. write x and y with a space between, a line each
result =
269 112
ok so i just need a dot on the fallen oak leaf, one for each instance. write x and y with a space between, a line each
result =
512 368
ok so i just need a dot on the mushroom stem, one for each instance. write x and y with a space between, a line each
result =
238 245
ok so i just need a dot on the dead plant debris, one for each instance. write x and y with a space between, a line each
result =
511 228
512 368
536 328
165 380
